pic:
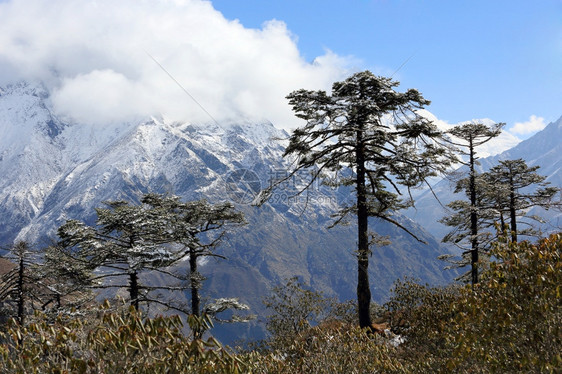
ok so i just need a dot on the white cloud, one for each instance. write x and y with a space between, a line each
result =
92 55
533 125
102 95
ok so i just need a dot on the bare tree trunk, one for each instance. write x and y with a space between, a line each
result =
473 218
134 289
363 287
194 280
21 296
512 212
195 298
502 223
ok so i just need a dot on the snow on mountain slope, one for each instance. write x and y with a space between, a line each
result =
35 149
187 160
51 167
543 149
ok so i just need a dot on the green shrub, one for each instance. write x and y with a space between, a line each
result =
331 347
112 342
508 323
512 321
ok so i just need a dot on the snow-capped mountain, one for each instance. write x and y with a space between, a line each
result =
54 170
543 149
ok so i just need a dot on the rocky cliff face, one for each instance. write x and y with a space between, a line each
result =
55 170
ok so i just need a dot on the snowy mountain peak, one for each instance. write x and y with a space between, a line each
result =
25 88
53 168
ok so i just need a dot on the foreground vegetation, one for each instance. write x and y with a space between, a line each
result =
509 323
364 136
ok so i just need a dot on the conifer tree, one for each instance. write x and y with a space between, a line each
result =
68 280
19 286
468 216
197 227
514 188
126 240
376 132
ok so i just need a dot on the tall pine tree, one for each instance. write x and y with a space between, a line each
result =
197 227
376 132
465 219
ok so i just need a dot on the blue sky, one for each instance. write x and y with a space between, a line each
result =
473 59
